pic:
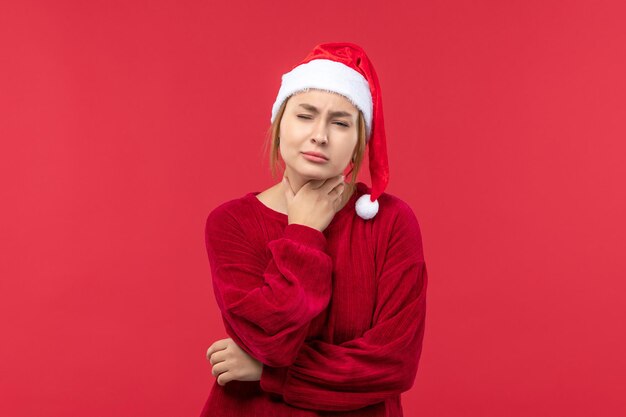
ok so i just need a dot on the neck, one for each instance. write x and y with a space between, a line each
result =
298 182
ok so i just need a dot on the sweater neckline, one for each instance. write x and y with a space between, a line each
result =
349 207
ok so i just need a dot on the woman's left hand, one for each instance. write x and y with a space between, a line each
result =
230 362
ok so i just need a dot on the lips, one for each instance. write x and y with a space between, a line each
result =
319 155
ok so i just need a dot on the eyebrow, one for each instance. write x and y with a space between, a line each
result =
314 109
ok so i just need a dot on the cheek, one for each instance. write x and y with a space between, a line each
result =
347 151
288 150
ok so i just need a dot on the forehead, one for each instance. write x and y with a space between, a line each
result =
322 98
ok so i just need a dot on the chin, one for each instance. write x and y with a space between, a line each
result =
310 172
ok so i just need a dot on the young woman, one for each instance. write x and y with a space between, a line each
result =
321 282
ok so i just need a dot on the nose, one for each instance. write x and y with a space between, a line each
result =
320 136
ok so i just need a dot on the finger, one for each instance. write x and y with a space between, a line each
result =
333 182
219 369
217 345
336 196
315 184
210 350
218 357
224 378
338 190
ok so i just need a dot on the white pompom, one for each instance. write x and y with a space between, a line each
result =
365 208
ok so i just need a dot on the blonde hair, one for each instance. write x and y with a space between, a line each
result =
272 140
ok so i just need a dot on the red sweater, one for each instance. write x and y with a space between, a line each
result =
336 317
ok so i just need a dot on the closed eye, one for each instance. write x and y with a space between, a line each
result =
301 116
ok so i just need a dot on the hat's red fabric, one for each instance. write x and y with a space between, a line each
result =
355 57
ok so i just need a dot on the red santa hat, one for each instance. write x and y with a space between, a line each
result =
344 68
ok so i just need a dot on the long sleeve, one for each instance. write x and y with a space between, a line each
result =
383 362
267 306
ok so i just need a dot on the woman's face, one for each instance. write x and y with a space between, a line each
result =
321 122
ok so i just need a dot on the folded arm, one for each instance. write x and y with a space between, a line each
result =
384 361
267 306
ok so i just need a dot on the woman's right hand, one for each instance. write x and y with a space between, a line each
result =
315 203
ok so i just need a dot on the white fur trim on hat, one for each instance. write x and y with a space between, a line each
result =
332 76
365 208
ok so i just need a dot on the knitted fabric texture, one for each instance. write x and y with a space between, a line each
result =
336 317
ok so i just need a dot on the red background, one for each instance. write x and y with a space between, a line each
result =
124 123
